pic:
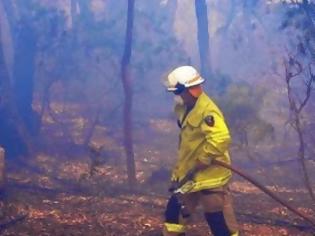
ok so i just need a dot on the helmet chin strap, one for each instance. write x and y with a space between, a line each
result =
179 88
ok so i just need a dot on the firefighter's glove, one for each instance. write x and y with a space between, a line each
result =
186 188
173 186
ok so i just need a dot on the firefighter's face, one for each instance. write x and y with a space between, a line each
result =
185 95
187 98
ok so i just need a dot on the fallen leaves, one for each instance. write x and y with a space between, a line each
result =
104 206
280 210
244 187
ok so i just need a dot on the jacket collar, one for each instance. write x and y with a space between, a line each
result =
194 117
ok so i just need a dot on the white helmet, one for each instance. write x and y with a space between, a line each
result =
183 77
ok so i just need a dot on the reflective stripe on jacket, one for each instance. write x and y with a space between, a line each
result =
204 135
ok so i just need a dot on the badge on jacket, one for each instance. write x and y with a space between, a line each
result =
209 120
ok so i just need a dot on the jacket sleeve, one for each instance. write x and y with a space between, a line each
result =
217 136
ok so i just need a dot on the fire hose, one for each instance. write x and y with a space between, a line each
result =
265 190
190 175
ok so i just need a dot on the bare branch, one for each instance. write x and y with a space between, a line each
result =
309 86
295 110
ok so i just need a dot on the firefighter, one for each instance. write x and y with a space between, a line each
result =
204 136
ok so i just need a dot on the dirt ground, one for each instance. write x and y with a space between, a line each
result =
70 203
64 191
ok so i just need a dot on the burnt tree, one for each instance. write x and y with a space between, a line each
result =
294 70
14 136
127 86
2 170
23 74
299 75
24 42
203 37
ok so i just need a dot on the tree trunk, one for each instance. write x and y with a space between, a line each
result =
127 85
91 127
301 155
73 7
23 75
85 12
203 37
24 43
13 136
2 170
8 10
296 109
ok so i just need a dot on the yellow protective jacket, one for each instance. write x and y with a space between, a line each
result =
204 135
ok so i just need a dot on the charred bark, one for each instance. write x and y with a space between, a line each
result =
2 171
13 135
24 43
127 86
203 37
23 75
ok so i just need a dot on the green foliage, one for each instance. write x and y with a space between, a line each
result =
300 17
241 104
218 83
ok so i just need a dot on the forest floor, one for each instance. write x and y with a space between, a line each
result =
63 194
